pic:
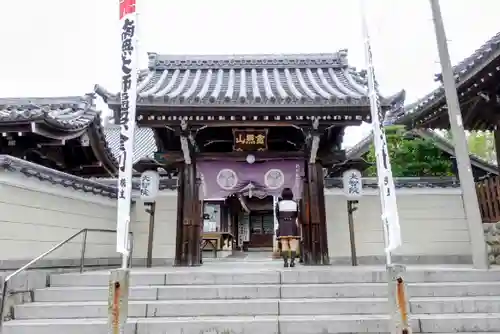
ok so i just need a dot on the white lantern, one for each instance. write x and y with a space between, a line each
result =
353 184
150 184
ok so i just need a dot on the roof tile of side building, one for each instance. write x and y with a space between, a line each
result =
144 143
63 118
42 173
70 113
479 58
269 80
330 183
401 182
463 71
107 186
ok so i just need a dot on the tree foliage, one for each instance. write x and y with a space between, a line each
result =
480 143
412 156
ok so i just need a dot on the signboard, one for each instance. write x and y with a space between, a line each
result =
353 184
150 183
250 140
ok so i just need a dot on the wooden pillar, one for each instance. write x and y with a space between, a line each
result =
189 218
305 223
313 218
197 223
192 217
323 230
186 214
180 219
314 212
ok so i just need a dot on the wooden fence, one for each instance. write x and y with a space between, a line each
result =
488 193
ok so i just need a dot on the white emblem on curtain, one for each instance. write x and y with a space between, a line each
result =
274 178
227 179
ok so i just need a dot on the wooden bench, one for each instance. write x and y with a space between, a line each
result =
213 242
216 240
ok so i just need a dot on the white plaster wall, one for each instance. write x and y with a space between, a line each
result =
164 228
432 223
36 215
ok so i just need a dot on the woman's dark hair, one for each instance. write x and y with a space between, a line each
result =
287 194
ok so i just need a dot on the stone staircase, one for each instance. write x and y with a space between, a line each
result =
248 298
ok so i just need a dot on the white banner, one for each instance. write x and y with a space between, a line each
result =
128 96
390 217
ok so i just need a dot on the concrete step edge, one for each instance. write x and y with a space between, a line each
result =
261 300
350 317
205 301
301 285
210 286
454 298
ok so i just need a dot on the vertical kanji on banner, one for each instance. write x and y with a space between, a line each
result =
128 96
390 217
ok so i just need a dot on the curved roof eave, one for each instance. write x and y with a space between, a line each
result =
42 173
100 147
308 80
53 117
464 71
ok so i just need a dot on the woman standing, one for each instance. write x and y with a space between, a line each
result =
287 212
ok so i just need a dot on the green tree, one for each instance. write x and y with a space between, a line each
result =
412 156
480 143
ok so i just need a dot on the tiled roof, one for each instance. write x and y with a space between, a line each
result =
463 71
330 183
62 118
165 182
402 182
55 177
144 143
71 113
270 80
479 58
107 186
360 148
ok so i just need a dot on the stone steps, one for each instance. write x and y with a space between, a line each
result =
264 299
256 307
442 323
197 276
263 291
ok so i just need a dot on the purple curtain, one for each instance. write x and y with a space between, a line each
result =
224 178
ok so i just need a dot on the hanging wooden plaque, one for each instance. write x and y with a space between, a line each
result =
250 139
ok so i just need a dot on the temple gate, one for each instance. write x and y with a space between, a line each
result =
234 130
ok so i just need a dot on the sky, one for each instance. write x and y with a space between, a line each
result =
64 47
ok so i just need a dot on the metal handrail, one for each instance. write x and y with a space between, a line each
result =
84 231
